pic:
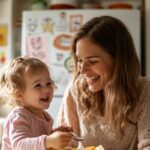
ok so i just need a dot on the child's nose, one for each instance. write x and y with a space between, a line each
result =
46 89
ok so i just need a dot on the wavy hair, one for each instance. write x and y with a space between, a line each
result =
113 36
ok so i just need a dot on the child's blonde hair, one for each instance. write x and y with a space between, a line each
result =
12 77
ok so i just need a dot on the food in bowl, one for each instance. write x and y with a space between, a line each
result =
100 147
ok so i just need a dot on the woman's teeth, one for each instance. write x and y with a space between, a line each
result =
92 79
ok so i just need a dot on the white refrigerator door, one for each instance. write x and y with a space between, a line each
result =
47 36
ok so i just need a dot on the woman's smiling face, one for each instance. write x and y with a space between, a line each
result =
94 63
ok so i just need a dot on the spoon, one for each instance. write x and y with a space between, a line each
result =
76 137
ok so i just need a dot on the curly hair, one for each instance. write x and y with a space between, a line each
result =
12 77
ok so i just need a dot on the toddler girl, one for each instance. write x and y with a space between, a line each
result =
26 84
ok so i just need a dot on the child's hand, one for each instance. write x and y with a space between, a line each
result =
63 128
58 140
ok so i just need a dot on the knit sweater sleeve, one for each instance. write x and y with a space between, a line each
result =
144 118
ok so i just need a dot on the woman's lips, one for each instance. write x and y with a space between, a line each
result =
93 79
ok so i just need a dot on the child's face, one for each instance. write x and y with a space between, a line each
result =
38 91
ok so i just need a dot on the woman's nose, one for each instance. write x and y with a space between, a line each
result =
84 68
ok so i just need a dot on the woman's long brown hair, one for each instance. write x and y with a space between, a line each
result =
113 36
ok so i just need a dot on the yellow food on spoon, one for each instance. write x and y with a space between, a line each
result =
100 147
90 148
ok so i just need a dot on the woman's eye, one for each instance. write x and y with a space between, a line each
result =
92 62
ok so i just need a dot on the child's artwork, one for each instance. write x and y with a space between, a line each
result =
2 56
3 35
36 46
75 22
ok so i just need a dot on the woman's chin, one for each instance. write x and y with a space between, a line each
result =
94 89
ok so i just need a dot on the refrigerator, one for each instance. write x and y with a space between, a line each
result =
47 35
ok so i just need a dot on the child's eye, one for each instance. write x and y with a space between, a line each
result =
37 85
51 84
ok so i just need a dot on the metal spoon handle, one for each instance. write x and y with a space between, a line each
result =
76 137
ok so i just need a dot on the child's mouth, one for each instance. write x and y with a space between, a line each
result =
45 99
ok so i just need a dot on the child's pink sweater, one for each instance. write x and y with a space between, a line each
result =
25 131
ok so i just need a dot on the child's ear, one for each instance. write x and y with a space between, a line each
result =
19 96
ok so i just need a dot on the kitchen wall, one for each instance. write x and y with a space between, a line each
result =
6 16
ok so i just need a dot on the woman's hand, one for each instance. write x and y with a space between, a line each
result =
58 140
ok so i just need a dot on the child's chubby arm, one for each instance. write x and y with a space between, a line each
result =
58 140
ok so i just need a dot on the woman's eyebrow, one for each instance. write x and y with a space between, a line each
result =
89 57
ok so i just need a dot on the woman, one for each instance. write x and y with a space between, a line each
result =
108 102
